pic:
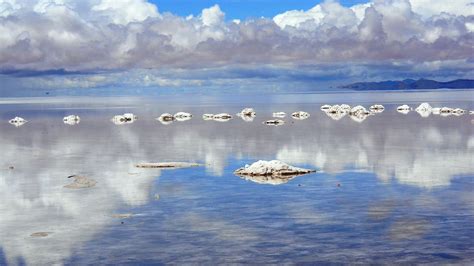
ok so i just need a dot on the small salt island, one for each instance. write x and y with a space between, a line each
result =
17 121
271 168
71 120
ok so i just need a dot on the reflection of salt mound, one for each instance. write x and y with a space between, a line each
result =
403 109
271 168
127 118
279 114
270 180
247 114
72 120
336 116
274 122
425 110
17 121
300 115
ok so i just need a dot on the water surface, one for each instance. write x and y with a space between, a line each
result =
393 189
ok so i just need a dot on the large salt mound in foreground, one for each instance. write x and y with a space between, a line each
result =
271 168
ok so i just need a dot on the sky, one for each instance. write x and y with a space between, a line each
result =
241 9
78 46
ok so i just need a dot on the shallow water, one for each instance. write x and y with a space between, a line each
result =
393 189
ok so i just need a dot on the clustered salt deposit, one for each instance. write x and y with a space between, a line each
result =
271 168
222 117
425 110
357 113
168 118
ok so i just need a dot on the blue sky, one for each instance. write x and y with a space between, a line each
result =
241 9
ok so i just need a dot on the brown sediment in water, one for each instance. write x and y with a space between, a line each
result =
81 182
41 234
167 165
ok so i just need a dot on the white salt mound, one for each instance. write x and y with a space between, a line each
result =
17 121
274 167
300 115
71 120
279 114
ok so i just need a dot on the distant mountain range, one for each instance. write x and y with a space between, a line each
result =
411 84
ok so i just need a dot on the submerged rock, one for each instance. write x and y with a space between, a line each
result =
81 182
17 121
300 115
72 120
166 118
271 168
167 165
274 122
279 114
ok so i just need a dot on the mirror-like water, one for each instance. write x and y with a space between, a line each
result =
394 188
